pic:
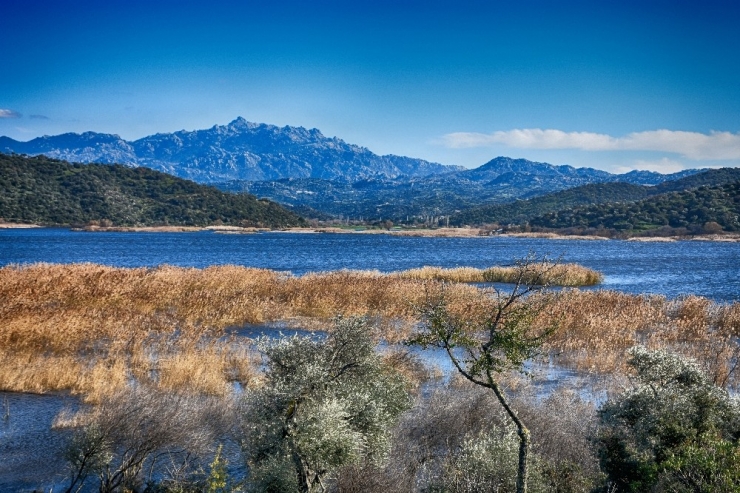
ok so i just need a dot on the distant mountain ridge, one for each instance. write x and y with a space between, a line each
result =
499 181
241 150
310 172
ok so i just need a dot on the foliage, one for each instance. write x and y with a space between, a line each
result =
706 178
481 350
46 191
218 474
688 209
326 403
673 431
521 211
487 462
560 203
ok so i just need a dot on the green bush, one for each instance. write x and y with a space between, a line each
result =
673 431
326 403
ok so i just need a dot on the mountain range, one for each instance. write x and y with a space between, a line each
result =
532 210
325 177
241 150
499 181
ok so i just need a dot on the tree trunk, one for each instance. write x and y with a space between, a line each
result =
521 430
523 471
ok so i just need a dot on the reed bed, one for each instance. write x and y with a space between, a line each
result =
595 329
92 329
568 275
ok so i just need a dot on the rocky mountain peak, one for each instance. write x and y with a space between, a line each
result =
239 150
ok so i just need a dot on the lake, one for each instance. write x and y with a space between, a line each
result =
710 269
30 450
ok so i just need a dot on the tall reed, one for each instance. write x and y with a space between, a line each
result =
553 274
88 328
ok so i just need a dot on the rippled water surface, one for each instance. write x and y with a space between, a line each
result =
709 269
29 449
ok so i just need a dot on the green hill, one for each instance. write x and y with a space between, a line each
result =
707 178
696 210
51 192
523 211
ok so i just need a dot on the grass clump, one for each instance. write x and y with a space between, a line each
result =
570 275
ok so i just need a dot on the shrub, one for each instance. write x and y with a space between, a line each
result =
325 403
673 431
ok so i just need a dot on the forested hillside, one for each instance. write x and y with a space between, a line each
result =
522 211
560 203
51 192
693 209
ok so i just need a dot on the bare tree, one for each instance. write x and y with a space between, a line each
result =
141 428
482 350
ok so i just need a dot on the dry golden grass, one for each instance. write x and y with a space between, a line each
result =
93 329
37 373
597 327
555 274
457 274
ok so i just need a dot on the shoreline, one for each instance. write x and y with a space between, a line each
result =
19 226
421 233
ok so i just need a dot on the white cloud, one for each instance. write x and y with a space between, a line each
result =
691 145
9 113
664 165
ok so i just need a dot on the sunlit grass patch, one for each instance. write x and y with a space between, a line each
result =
554 274
89 328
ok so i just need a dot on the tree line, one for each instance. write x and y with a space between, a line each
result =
687 203
692 209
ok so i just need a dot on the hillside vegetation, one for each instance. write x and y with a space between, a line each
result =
571 202
431 199
50 192
522 211
711 208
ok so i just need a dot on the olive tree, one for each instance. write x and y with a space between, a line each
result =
483 350
326 402
673 430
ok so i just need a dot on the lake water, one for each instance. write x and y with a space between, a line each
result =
29 454
709 269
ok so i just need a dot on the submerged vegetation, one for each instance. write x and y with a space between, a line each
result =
89 328
132 343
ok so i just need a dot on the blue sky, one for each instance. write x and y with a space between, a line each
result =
611 85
